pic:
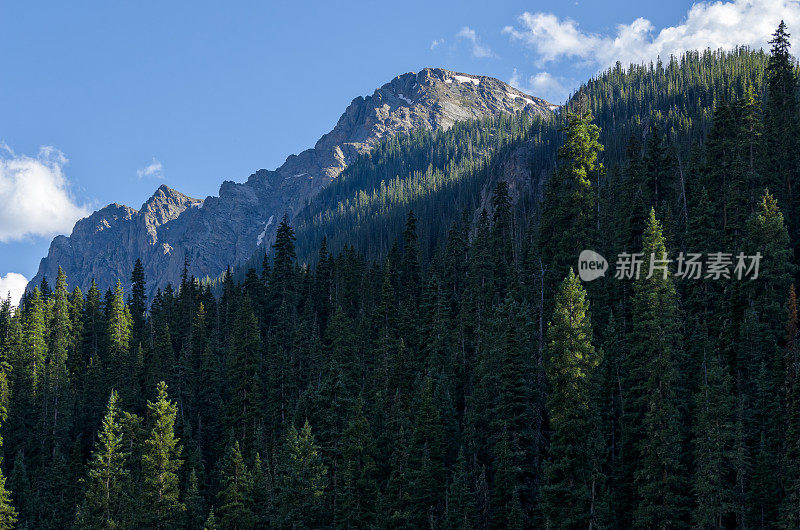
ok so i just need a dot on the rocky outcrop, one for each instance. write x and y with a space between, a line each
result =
224 230
104 245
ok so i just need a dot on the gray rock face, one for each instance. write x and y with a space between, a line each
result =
221 231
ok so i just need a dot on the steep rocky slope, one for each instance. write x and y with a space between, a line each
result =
223 230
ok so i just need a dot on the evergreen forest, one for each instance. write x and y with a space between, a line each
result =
417 350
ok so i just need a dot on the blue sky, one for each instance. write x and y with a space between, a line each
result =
102 102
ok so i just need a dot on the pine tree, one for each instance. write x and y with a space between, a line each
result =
56 394
234 499
410 274
426 472
385 344
119 324
396 495
93 324
359 474
75 360
790 507
302 479
339 384
34 344
121 368
283 271
460 499
209 399
655 421
263 493
243 375
781 128
93 379
714 445
634 196
505 501
574 482
161 464
137 305
658 167
281 382
162 358
8 514
568 221
760 372
409 291
104 501
503 240
20 485
211 521
195 505
323 279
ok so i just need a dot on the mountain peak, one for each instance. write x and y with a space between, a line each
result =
164 195
225 230
163 206
429 78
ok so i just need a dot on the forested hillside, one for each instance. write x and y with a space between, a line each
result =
438 174
454 372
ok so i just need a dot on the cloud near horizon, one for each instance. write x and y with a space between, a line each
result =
706 25
35 195
12 285
544 85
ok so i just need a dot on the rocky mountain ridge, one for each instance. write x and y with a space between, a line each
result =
224 230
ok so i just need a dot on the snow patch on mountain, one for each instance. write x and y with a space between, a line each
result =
264 232
467 79
517 96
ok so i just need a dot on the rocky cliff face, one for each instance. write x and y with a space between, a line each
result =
221 231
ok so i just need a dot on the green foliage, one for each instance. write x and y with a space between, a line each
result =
104 503
655 421
161 464
242 373
302 480
452 379
235 494
714 445
359 490
8 515
568 222
574 481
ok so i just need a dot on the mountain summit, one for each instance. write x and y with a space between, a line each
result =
220 231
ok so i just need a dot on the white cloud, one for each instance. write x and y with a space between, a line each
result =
478 50
35 196
436 43
154 169
12 284
707 25
544 85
